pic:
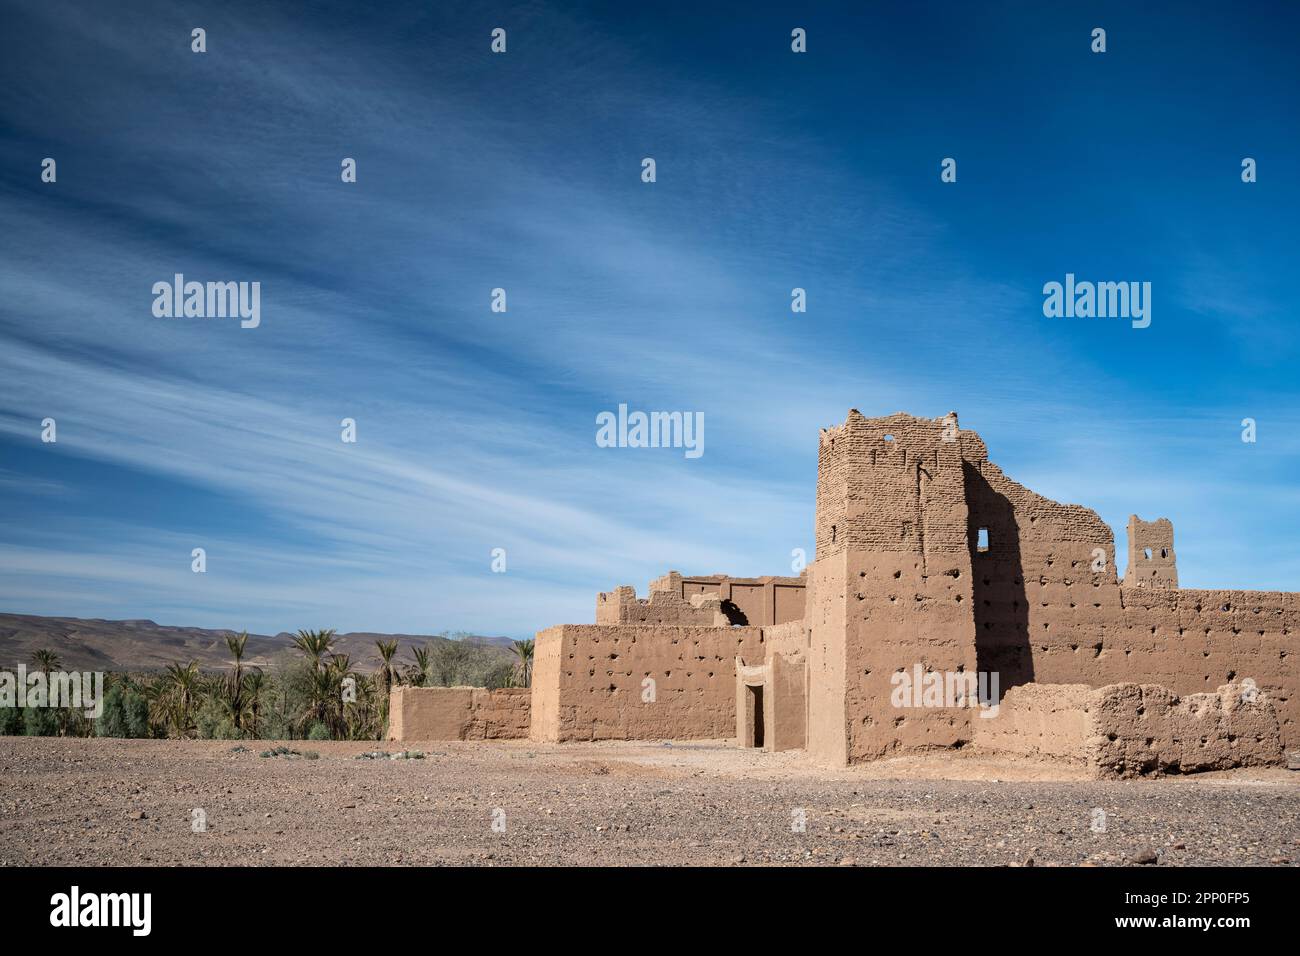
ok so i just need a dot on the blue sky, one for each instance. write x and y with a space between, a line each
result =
522 171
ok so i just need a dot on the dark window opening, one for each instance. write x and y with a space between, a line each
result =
756 701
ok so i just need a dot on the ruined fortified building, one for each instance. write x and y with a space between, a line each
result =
947 605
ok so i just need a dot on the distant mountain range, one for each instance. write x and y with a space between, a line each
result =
94 644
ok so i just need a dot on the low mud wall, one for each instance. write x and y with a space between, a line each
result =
458 713
1127 730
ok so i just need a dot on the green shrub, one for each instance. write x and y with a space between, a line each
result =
11 722
126 714
40 722
318 732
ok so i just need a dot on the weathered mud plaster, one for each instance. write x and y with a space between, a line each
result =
638 681
1127 730
458 713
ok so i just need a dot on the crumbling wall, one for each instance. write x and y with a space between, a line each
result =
1145 728
1048 570
1151 561
458 713
621 606
1129 729
638 682
1049 606
1190 641
912 564
759 601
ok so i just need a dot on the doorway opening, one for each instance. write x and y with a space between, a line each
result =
756 711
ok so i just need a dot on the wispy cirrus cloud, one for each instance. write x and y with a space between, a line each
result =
476 429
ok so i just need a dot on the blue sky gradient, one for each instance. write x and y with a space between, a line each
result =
775 170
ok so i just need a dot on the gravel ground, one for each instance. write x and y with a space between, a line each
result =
115 802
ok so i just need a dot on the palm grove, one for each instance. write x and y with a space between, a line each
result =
310 691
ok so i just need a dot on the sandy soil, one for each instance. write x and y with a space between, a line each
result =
115 802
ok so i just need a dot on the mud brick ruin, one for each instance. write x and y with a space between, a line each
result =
930 564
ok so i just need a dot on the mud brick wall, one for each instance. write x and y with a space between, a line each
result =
501 714
1047 721
1190 641
621 606
790 639
587 681
891 587
785 649
458 713
1145 728
1044 612
758 601
1151 559
1128 729
902 575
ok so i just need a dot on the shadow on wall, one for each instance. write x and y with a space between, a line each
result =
735 616
1001 607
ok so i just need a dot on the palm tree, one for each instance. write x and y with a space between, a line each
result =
46 660
234 685
363 718
387 651
319 698
422 670
384 678
254 684
524 651
315 644
180 687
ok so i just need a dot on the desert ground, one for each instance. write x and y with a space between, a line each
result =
133 802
